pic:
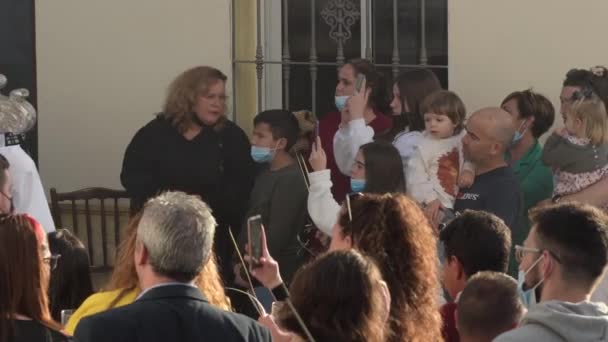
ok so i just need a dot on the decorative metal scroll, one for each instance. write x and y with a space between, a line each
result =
340 15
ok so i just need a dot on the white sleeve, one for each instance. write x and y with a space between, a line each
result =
419 184
322 207
28 194
347 141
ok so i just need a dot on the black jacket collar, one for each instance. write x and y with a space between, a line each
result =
173 291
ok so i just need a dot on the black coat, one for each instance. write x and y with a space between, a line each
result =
216 165
169 313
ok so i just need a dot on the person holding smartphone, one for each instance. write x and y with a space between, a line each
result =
375 115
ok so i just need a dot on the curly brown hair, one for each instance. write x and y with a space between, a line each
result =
392 229
183 94
124 276
347 305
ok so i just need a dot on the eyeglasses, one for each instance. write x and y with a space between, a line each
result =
520 250
350 197
52 261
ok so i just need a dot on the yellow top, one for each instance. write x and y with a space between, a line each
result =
97 303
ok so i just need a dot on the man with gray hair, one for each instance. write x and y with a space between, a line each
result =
174 242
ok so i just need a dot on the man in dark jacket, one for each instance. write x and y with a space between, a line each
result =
167 260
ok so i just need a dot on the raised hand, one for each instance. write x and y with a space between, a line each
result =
317 159
357 103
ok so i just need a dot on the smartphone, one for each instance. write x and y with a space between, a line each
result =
359 83
254 236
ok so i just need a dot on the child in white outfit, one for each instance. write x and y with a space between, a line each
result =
437 168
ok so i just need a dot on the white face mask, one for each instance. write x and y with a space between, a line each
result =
528 297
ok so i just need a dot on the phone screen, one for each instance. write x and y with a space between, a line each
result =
359 83
254 226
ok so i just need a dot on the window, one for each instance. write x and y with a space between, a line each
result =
287 59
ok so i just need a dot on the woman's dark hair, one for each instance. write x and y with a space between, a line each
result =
383 168
414 86
394 232
596 78
339 297
23 279
71 280
532 104
379 98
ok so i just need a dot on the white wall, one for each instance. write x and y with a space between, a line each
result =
103 68
498 46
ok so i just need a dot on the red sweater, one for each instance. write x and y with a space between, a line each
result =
328 126
449 331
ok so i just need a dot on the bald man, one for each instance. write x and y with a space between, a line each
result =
496 188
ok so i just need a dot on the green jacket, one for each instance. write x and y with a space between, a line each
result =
536 181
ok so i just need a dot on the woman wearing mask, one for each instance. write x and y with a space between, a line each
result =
192 147
533 115
375 114
377 169
409 91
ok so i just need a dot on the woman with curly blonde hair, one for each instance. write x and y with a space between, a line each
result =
393 231
192 147
123 287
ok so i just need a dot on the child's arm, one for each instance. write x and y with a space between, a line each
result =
466 177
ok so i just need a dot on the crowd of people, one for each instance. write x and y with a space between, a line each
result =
390 219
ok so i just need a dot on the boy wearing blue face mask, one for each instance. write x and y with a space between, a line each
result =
279 193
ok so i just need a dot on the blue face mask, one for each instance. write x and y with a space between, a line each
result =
528 296
261 154
341 101
357 185
517 136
